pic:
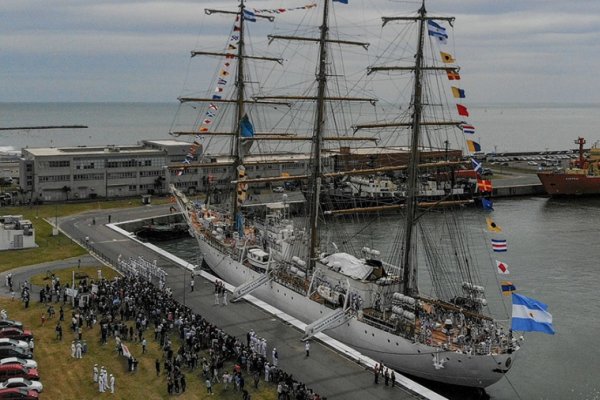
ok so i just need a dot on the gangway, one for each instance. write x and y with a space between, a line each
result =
250 286
337 317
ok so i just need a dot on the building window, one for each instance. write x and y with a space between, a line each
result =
55 178
121 175
152 173
59 164
93 163
88 177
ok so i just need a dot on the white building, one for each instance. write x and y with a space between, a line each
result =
58 174
16 233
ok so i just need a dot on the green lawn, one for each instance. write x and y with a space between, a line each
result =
52 248
66 275
67 378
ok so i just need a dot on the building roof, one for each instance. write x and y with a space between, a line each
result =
145 147
167 142
87 151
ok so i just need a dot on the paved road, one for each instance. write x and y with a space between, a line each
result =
25 273
325 371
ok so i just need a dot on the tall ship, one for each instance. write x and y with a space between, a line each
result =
355 192
371 300
580 178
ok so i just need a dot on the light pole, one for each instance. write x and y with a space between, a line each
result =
55 227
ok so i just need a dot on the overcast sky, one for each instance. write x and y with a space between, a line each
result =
527 51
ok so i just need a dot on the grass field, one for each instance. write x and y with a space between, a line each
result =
58 247
67 378
66 275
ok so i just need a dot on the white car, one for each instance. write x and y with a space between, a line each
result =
22 383
14 342
16 360
278 189
531 163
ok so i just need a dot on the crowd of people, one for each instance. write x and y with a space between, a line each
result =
129 308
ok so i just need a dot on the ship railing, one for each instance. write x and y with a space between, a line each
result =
293 282
370 319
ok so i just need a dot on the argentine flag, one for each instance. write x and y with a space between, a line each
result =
437 31
249 15
530 315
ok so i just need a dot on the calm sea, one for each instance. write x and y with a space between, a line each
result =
498 127
553 244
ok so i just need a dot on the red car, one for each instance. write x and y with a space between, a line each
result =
18 371
16 333
19 393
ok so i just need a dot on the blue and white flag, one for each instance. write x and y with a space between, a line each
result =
530 315
342 1
247 130
437 31
249 15
476 165
499 245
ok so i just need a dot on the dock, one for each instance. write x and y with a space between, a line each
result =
333 370
525 184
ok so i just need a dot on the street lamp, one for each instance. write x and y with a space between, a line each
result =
184 274
55 227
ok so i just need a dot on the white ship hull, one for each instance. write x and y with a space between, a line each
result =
392 350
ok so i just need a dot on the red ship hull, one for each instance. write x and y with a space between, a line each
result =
561 184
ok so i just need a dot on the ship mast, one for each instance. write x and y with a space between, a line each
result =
316 174
581 162
236 148
318 138
408 263
239 100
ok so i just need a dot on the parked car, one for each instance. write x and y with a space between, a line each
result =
14 342
531 163
19 394
278 189
4 323
17 360
13 351
18 371
22 383
16 333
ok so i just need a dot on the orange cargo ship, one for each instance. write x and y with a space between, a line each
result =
582 177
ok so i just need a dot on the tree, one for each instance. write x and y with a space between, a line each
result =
66 190
158 184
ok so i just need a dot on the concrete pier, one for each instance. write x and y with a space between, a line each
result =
332 370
